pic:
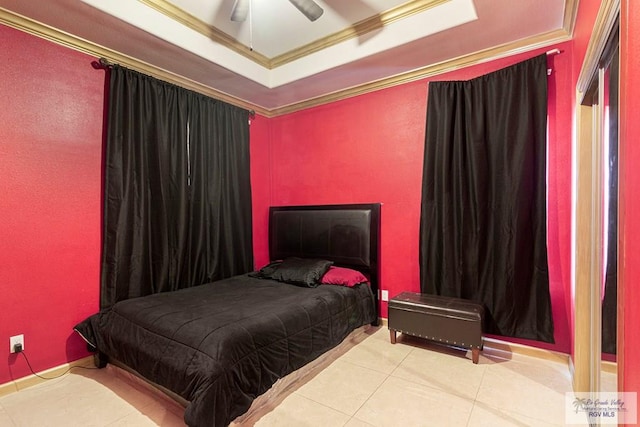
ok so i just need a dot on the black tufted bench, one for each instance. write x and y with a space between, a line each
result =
451 321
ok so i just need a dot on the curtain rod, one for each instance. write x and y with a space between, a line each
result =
104 63
551 53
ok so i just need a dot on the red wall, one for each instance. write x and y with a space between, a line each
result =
364 149
260 188
370 149
51 123
629 202
51 106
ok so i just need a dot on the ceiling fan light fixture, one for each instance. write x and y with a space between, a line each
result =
240 10
309 8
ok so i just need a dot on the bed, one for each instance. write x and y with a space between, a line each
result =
221 345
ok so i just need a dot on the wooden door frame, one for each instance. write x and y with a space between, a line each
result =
588 212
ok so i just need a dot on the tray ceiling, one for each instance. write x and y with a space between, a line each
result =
277 60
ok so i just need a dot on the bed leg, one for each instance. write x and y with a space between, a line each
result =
100 359
392 335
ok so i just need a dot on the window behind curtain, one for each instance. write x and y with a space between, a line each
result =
177 194
483 219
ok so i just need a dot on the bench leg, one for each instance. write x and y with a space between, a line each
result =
392 335
475 355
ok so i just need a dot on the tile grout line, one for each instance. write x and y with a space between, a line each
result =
296 392
402 361
475 398
489 406
6 413
370 396
387 375
321 404
381 384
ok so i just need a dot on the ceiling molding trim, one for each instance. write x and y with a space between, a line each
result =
605 21
51 34
570 16
509 49
46 32
196 24
357 30
37 29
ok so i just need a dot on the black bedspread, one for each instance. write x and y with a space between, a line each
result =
221 345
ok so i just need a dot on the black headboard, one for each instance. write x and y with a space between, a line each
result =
348 235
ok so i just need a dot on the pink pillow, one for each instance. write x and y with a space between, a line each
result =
343 276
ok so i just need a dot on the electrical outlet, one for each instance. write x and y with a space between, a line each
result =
17 339
385 295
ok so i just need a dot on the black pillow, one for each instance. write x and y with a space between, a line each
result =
296 271
267 271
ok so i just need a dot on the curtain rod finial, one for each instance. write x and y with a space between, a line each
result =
101 63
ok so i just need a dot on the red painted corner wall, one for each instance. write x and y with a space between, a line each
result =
51 113
364 149
260 188
370 149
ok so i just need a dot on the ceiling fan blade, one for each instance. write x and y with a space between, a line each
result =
240 10
309 8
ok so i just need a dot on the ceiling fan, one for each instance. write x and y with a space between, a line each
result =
309 8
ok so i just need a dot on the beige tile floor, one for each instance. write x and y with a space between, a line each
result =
373 384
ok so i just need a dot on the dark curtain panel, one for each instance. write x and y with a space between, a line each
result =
169 171
221 232
610 301
483 220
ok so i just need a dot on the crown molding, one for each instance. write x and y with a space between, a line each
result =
570 16
196 24
605 21
60 37
358 29
54 35
509 49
